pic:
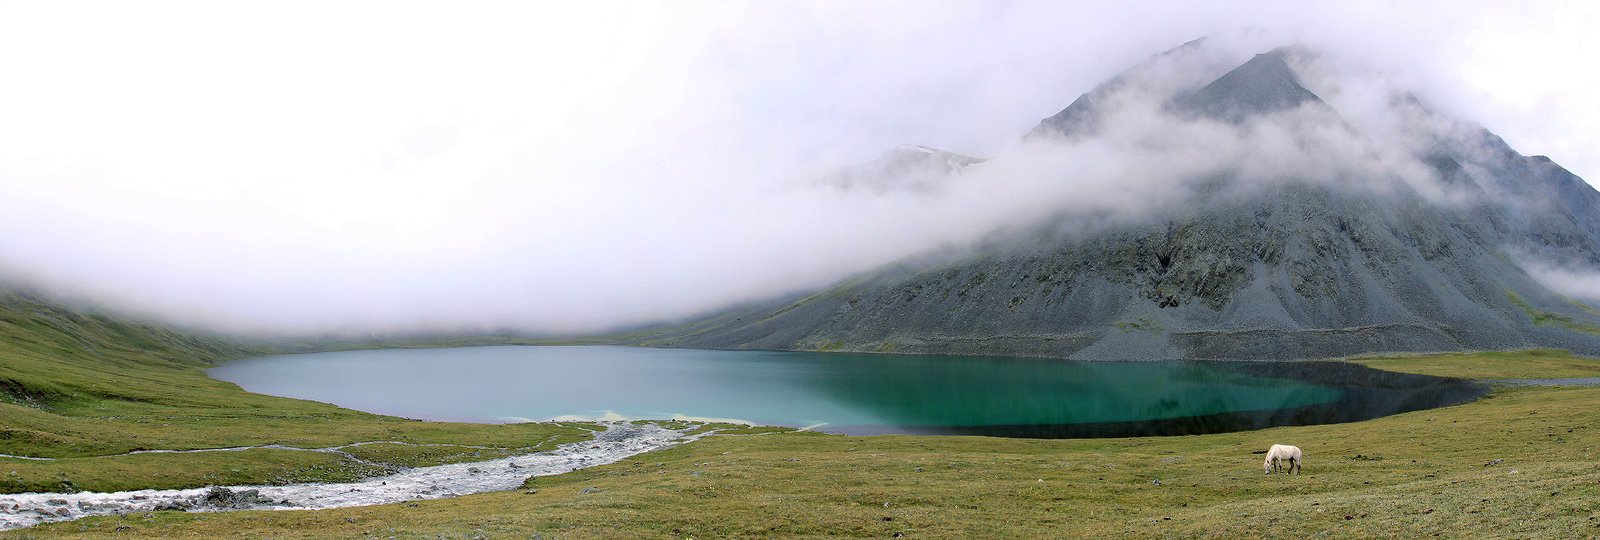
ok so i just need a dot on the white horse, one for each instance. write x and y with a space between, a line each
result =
1280 453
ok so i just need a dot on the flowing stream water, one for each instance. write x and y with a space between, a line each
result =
618 441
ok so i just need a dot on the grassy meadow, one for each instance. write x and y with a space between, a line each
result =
87 389
1490 365
1521 462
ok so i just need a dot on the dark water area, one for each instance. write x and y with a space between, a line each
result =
1365 394
860 394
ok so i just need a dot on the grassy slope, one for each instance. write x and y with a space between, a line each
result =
1550 318
1530 364
1413 474
82 387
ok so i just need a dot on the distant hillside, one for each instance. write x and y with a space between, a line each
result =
51 355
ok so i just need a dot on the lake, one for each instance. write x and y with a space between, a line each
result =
845 392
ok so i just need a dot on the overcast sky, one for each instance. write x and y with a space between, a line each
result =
555 167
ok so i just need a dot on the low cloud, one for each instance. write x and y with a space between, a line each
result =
1575 282
460 171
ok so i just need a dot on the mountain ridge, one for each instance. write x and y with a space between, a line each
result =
1289 269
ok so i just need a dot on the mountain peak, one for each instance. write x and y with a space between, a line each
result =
919 153
1266 83
910 167
1082 116
918 160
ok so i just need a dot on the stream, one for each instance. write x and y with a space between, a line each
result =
618 441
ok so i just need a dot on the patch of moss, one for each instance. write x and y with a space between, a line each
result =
1145 324
1546 318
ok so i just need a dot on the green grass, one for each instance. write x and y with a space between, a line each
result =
1547 318
1417 474
1529 364
86 388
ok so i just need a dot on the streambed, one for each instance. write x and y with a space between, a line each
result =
616 442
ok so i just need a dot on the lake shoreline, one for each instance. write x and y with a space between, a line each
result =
844 393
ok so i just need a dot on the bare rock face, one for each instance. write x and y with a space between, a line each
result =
1264 84
1295 269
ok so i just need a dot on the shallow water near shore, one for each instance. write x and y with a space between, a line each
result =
843 392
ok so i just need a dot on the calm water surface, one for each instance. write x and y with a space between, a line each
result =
843 392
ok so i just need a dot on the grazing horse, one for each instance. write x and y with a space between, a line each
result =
1280 453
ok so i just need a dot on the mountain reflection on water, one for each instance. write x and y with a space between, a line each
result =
846 392
1360 393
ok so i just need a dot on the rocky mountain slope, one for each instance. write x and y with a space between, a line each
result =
1242 270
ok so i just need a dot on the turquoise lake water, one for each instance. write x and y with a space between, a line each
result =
843 392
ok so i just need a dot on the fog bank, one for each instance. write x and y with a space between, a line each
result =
382 167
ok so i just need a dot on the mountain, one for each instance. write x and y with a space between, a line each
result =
1244 269
1264 84
906 167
